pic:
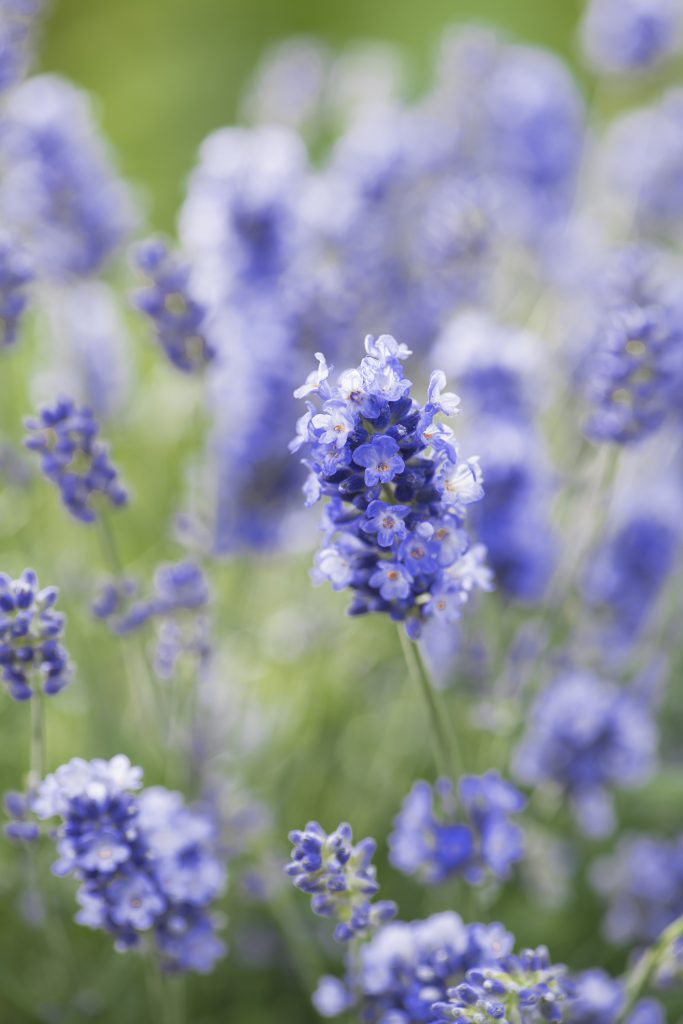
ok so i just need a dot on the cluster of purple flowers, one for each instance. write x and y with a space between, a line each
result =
643 883
633 377
622 36
340 878
145 861
30 633
437 848
397 487
628 571
588 736
407 966
58 192
178 318
525 986
15 276
74 459
177 606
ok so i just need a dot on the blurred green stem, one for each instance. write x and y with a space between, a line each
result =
445 748
115 566
642 974
37 760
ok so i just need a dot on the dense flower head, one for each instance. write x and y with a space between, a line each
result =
633 375
621 36
524 987
178 318
340 878
588 736
642 881
439 847
59 193
177 606
15 276
398 488
31 654
74 459
407 966
145 861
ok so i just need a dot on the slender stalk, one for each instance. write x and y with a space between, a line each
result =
115 566
37 759
446 755
641 975
174 999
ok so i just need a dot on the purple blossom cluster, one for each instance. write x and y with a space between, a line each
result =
528 984
633 377
631 36
340 878
642 881
58 192
31 654
398 490
167 300
588 737
75 460
146 863
438 848
407 966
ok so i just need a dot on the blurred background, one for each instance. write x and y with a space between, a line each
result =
167 72
314 713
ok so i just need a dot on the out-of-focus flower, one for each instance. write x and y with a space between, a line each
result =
146 862
177 606
74 459
58 193
622 36
31 654
633 373
177 317
588 736
408 966
437 848
643 157
643 883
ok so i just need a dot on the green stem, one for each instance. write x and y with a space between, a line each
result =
641 975
446 754
37 765
115 565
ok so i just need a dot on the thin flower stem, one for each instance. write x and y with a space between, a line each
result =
641 975
115 566
37 760
445 749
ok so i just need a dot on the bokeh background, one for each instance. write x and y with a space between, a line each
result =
167 72
319 718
